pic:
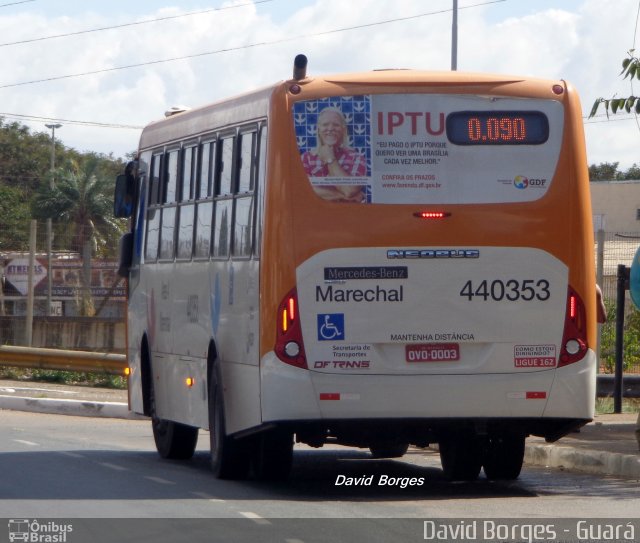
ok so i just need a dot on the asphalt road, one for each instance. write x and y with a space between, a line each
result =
56 466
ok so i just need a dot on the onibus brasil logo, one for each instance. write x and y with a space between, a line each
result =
33 531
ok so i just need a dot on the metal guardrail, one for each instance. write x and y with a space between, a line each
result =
65 360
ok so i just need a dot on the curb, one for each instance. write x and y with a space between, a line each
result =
586 461
81 408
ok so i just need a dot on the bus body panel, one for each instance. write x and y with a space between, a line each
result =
565 393
470 309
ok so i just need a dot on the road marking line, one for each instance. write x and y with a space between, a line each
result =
159 480
206 496
113 466
254 517
71 454
30 443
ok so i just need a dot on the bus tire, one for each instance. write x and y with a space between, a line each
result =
461 458
389 450
173 440
230 458
503 457
273 455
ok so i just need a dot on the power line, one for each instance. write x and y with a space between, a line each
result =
241 47
16 3
143 22
68 121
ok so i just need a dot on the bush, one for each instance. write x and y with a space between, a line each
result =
631 344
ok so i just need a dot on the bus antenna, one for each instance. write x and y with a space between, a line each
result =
300 67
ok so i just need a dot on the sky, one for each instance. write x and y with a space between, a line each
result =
238 45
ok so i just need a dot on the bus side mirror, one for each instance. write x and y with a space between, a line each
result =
124 196
126 254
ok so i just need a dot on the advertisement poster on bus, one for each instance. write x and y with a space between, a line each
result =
428 148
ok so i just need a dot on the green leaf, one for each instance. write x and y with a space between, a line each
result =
629 103
595 107
614 105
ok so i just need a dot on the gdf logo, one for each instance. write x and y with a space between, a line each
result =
521 182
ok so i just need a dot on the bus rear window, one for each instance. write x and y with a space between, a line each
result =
428 148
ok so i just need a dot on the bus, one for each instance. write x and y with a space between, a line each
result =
379 260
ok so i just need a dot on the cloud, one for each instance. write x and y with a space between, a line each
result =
584 46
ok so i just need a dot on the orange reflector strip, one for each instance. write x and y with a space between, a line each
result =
189 381
329 395
285 321
536 395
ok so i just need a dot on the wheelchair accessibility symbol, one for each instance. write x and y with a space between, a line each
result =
331 327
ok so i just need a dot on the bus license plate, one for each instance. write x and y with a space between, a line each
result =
433 352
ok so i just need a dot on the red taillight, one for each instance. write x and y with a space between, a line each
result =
289 346
431 214
574 339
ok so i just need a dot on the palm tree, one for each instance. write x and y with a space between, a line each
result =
81 201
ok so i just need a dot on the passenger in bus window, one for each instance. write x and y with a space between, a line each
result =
334 157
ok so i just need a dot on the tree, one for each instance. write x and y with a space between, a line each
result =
630 69
14 219
605 171
81 202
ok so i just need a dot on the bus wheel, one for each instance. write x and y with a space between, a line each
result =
273 455
230 458
174 440
389 450
503 457
461 458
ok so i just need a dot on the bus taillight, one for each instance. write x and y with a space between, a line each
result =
432 214
574 339
289 346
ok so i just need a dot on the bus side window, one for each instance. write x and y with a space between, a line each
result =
222 228
243 201
152 238
223 198
207 154
225 167
167 228
259 187
154 182
186 209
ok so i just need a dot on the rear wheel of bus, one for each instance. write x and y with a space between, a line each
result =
273 455
461 457
503 457
230 458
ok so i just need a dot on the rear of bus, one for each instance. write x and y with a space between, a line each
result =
440 288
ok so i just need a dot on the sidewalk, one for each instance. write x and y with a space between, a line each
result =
606 446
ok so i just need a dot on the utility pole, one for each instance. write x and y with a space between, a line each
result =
49 226
454 37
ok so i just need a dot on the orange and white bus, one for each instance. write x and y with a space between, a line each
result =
377 260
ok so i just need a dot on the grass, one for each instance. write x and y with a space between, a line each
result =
604 406
101 380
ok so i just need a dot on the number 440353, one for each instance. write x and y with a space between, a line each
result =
513 290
